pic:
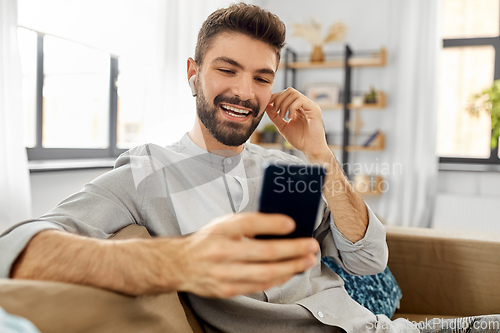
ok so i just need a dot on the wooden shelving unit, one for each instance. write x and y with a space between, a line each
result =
346 61
378 144
256 138
371 188
379 105
374 59
271 145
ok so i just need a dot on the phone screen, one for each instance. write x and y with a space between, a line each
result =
294 190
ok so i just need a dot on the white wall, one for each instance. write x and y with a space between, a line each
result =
469 183
468 201
51 187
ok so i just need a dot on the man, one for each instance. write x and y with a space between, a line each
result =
188 188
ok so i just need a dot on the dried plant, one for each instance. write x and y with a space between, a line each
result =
311 31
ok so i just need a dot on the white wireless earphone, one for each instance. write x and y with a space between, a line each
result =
191 84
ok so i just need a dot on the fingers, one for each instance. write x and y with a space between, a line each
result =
279 98
270 273
229 279
262 273
252 224
256 250
249 225
291 101
275 118
224 260
227 290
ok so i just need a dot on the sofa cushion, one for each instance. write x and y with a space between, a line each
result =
445 272
378 293
62 307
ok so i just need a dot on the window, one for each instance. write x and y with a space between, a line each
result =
70 98
28 53
470 62
131 102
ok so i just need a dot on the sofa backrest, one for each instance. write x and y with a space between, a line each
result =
445 272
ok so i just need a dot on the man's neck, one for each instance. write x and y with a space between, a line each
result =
204 139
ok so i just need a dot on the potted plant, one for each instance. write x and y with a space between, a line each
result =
269 133
371 96
488 101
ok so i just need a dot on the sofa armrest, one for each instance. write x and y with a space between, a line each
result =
64 307
443 272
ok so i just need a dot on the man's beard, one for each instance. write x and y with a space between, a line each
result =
227 132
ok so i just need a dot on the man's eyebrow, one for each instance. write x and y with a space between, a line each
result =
237 64
266 71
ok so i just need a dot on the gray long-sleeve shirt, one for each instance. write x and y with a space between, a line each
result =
177 190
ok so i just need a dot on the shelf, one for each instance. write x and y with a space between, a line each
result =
256 138
270 145
378 59
367 185
379 105
378 144
346 60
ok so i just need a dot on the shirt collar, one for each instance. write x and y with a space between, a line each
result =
196 151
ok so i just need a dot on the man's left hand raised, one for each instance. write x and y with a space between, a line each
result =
304 130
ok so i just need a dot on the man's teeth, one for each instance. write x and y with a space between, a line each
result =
236 112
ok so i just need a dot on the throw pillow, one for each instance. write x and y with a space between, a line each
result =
378 293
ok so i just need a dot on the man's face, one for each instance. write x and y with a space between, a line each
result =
234 86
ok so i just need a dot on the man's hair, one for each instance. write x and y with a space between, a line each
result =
250 20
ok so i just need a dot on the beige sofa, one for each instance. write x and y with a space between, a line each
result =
441 274
445 273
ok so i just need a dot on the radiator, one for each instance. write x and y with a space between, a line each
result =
467 212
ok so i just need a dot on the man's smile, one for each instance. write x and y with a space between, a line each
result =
235 113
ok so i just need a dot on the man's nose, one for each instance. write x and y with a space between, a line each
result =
243 87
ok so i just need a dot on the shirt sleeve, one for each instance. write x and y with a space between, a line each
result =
367 256
13 242
101 208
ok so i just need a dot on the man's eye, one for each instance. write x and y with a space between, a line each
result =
261 80
226 71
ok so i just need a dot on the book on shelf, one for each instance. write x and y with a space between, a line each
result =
371 139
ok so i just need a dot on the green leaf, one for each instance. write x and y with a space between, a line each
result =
494 142
479 103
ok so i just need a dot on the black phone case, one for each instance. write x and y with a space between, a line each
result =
294 190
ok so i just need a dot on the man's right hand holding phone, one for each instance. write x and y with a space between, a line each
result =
225 259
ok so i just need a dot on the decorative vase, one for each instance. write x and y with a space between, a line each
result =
317 54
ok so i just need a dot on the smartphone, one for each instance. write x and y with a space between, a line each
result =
294 190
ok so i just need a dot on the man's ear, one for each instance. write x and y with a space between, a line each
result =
192 71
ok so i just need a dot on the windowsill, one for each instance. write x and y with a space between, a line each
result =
73 164
469 167
108 163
